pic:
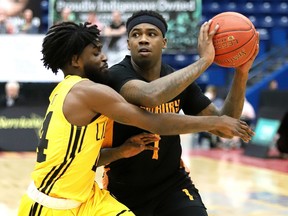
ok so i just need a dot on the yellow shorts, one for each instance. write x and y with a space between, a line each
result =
99 203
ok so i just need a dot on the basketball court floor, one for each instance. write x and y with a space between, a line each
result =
230 183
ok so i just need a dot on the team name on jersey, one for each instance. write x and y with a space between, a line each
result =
169 107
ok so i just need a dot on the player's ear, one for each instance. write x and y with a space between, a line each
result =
128 44
165 43
75 61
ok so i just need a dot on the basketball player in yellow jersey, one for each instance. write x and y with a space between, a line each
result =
74 125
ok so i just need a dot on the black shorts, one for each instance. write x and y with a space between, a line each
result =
182 200
185 202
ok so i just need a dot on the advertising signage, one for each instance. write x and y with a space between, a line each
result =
182 16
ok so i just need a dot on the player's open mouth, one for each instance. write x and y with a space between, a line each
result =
144 50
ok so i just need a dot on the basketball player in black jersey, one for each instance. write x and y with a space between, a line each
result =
75 123
155 183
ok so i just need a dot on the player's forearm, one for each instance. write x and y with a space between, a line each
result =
234 101
108 155
168 87
225 126
172 124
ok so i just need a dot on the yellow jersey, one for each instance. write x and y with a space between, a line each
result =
67 154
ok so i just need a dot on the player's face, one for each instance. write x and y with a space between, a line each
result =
95 65
145 42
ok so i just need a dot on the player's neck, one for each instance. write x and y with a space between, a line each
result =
148 72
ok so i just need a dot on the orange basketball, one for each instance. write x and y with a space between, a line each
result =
235 40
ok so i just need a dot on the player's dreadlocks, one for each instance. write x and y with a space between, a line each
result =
66 39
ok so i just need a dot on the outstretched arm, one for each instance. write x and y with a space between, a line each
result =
87 99
151 94
116 107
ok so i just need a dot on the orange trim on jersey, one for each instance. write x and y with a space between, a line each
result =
107 143
155 152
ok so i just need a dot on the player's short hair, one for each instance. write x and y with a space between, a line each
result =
66 39
147 16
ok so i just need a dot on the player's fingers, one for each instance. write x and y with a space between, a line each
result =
242 134
202 32
146 140
246 137
258 37
257 47
148 147
213 31
243 123
139 138
256 50
245 132
247 129
206 30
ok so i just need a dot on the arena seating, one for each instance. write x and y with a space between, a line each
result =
268 16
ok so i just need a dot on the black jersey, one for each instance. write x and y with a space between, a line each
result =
130 178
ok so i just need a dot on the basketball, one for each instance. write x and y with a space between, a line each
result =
235 41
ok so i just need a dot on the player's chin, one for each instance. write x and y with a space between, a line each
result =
145 54
104 69
144 59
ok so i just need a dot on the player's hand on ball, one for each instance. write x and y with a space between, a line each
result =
244 68
205 43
